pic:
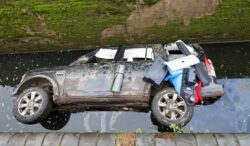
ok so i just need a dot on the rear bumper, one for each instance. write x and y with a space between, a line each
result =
212 90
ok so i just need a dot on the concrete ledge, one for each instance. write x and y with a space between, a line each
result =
131 139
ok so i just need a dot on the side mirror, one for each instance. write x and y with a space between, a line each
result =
83 60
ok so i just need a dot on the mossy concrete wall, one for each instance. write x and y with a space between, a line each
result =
45 25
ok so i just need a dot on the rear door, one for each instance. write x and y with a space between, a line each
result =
133 86
136 61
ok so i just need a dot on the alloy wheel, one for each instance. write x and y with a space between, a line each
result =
172 106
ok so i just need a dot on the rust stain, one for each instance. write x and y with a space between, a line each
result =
125 139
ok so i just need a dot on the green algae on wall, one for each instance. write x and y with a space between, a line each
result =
33 25
44 25
229 22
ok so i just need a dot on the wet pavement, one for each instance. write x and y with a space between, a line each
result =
230 114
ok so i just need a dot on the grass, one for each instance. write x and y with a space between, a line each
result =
79 23
150 2
230 22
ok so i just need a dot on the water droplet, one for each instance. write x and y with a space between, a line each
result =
8 117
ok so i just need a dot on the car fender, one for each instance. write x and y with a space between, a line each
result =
43 76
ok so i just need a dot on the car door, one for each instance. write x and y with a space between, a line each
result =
133 86
89 80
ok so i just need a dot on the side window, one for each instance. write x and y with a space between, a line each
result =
87 58
137 54
127 54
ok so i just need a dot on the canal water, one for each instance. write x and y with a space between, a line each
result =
230 114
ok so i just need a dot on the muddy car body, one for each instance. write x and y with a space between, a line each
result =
85 85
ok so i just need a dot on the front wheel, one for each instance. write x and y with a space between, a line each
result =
32 105
170 108
56 120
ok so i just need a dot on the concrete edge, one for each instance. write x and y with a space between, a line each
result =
120 139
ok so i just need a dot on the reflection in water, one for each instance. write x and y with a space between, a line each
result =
230 114
230 60
113 119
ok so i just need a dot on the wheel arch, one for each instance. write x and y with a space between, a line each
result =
37 81
153 90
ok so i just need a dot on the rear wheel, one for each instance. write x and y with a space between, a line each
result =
170 108
32 105
56 120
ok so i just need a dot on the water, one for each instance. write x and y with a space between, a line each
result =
230 60
230 114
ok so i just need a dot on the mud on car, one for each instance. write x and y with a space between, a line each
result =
168 80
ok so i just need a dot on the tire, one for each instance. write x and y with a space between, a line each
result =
153 120
166 111
56 120
31 111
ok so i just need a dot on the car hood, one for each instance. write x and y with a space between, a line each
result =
46 70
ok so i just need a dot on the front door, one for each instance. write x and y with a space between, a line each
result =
89 80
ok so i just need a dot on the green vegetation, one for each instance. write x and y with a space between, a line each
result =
65 22
138 131
175 128
150 2
230 22
42 25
